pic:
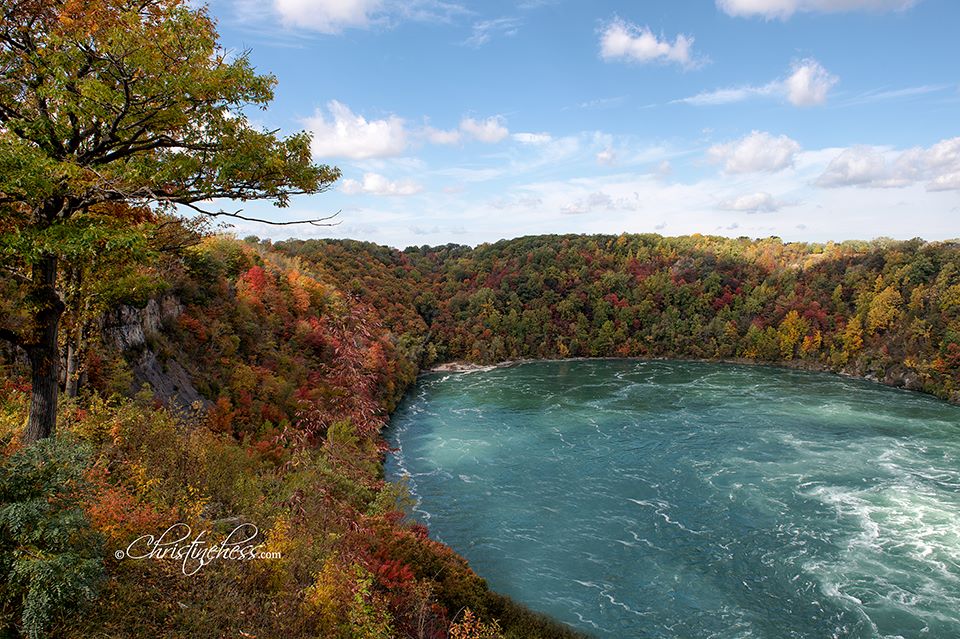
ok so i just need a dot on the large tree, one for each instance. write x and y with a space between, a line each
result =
106 102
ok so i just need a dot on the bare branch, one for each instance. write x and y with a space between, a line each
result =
320 221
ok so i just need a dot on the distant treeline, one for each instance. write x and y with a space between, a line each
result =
884 309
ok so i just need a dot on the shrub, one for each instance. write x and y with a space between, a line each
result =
50 557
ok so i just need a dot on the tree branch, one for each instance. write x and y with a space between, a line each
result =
320 221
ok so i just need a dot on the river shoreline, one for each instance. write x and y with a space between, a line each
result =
901 378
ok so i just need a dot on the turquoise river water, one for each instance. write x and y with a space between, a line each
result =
680 499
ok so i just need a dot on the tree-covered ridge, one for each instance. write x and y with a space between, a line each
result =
883 309
296 378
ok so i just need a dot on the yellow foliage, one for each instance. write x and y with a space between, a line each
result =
273 574
470 627
790 334
884 310
852 336
343 605
811 343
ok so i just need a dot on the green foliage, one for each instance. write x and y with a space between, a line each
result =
50 556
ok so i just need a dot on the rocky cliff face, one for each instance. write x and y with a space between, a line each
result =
127 328
131 331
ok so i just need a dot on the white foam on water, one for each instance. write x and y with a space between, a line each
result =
905 552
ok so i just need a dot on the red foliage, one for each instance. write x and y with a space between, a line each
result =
390 573
725 299
116 512
194 326
15 385
255 279
616 301
640 270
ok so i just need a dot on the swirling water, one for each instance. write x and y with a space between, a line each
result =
681 499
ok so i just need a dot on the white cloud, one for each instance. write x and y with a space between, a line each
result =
938 166
484 30
376 184
809 83
783 9
755 153
333 16
591 202
491 130
728 96
753 203
441 136
536 139
880 95
327 16
858 166
606 157
624 41
501 196
348 135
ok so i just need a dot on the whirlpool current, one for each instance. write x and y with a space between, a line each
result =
685 499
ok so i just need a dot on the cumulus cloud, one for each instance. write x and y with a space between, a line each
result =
490 130
783 9
376 184
348 135
807 85
625 41
755 153
441 136
753 203
858 166
938 166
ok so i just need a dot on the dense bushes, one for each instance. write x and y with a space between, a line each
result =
50 555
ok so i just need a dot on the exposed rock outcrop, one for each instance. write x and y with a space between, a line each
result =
131 331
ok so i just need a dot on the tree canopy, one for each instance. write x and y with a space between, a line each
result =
110 106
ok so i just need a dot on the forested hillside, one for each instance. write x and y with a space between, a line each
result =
885 310
232 385
220 382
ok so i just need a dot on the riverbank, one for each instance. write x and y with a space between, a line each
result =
901 378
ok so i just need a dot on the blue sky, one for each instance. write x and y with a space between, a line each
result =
469 122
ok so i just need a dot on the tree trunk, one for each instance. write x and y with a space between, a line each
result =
75 335
73 375
43 352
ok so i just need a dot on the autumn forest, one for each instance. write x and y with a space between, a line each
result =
158 373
